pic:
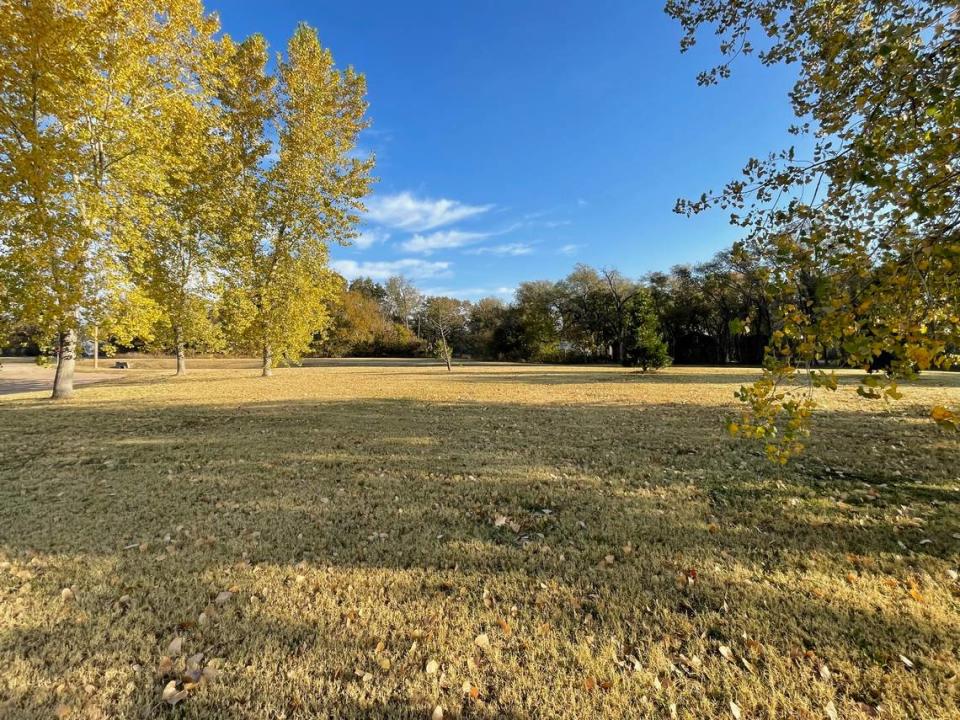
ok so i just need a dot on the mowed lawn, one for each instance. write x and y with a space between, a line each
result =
377 539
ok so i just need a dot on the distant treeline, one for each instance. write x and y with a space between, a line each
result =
710 313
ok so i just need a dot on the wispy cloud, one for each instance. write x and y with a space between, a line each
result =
442 240
471 293
404 211
413 268
512 249
568 249
370 237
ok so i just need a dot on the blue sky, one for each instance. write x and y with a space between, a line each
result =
515 139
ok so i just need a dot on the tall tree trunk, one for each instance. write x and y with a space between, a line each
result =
181 353
66 360
267 360
446 357
96 347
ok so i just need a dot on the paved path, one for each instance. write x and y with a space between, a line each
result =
24 377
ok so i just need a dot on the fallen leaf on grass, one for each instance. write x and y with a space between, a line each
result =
727 653
825 672
735 710
437 713
482 641
906 661
432 667
831 711
171 695
223 597
176 647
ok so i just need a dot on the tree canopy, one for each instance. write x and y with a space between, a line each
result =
859 239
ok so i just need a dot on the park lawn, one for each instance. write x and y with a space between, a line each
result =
371 539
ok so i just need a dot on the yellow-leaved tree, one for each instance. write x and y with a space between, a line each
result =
173 205
289 197
80 89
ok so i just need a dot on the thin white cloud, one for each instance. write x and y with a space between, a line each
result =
367 238
512 249
442 240
406 212
471 293
568 249
412 268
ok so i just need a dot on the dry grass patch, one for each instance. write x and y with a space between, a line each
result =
377 540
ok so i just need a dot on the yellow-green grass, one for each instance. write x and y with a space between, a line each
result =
594 524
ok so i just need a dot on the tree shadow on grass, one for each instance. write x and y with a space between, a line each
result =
642 524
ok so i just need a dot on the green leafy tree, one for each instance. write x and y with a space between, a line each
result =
861 237
642 345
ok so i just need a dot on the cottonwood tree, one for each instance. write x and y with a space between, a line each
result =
79 87
178 189
872 213
290 199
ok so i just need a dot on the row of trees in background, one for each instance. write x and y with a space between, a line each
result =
168 186
715 312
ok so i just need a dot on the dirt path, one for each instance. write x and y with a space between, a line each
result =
24 377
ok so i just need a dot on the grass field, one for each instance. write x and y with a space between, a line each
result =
379 540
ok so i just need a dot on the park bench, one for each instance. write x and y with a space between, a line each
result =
122 365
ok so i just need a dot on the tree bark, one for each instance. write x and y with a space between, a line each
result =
66 361
181 353
96 347
267 360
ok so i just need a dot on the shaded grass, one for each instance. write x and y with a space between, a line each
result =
595 524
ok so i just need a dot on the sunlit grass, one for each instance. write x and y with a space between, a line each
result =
594 524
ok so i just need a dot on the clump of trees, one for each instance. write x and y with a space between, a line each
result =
167 186
589 316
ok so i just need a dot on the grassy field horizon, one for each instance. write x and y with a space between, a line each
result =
368 538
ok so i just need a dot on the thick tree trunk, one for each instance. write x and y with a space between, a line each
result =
96 347
66 360
181 353
267 360
447 359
